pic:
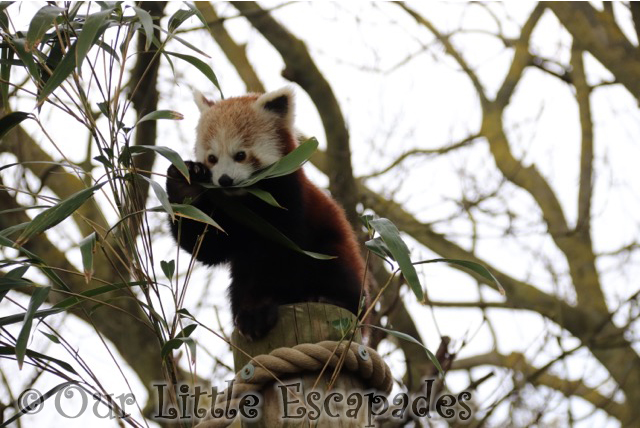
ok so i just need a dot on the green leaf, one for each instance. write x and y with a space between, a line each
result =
167 153
37 403
181 40
178 18
168 268
193 213
60 73
11 120
34 259
41 22
51 337
7 283
379 248
103 289
26 58
87 250
70 302
91 31
288 164
185 313
244 215
161 114
108 49
199 14
161 194
265 196
176 342
37 298
343 324
200 65
400 252
411 339
147 24
57 213
472 266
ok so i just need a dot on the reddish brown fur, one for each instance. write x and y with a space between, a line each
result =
266 274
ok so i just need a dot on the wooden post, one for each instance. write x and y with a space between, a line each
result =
297 324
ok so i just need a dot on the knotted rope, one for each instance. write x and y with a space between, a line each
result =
360 360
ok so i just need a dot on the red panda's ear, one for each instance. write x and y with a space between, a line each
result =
201 101
278 102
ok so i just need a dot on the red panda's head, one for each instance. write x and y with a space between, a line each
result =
238 136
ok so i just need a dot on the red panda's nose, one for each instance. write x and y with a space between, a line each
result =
225 180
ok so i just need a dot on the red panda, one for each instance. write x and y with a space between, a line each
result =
235 138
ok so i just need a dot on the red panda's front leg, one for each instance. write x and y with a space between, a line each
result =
216 247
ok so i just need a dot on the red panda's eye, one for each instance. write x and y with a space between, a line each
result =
240 156
212 159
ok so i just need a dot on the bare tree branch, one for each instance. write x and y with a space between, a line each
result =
517 362
451 50
235 53
585 192
598 33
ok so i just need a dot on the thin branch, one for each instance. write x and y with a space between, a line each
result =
583 94
429 152
235 53
540 377
598 33
521 58
450 49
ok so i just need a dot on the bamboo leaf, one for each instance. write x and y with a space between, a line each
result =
26 58
40 23
51 337
411 339
11 120
8 283
37 298
265 196
379 248
288 164
91 31
34 259
167 153
181 40
147 24
253 221
37 403
161 114
161 194
472 266
60 73
176 342
400 252
57 213
200 65
199 14
193 213
168 268
87 250
178 18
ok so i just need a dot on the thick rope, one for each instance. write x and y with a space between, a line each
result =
360 360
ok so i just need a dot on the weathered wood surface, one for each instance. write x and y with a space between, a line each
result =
301 323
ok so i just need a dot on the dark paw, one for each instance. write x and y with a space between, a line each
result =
255 323
198 172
